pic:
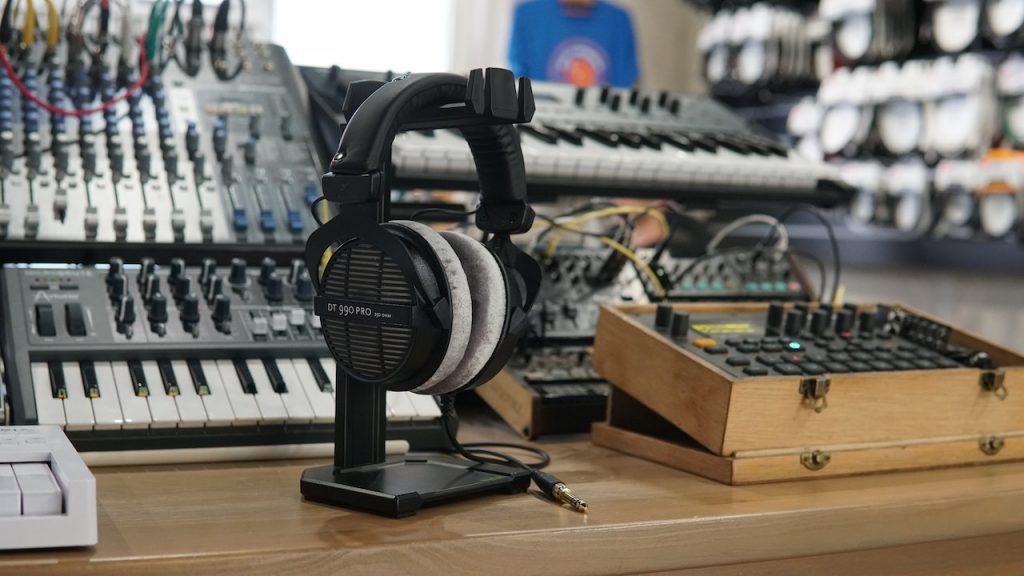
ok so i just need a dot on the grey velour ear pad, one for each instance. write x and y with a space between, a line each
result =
462 305
487 291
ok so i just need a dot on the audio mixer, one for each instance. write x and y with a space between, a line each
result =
146 357
194 162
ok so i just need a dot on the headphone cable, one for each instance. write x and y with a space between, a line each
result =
483 453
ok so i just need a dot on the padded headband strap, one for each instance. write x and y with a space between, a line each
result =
370 132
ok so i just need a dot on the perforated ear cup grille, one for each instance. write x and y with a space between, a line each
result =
363 273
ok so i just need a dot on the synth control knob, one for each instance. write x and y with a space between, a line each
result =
222 313
118 287
191 140
125 315
254 126
177 271
147 266
171 164
274 288
773 323
190 314
295 269
157 315
227 168
207 270
237 277
220 140
116 158
151 288
88 159
866 324
304 287
794 323
199 167
267 268
214 288
249 151
144 163
820 321
680 325
116 267
663 317
182 288
844 321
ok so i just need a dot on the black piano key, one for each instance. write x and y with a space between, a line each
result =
545 137
702 142
168 377
244 376
139 383
630 139
600 136
648 141
677 141
771 146
92 386
564 135
57 383
323 381
195 368
729 143
276 380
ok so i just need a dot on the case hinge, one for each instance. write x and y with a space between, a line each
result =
994 381
991 445
814 392
815 459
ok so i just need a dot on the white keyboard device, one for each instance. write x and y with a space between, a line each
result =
47 495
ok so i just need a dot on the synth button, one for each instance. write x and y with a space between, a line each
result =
858 366
74 317
260 327
704 342
755 371
715 350
278 322
771 341
244 376
884 355
737 361
840 356
170 381
947 363
199 382
732 341
835 367
862 356
767 360
924 364
787 369
276 380
45 325
836 347
749 348
813 368
819 358
138 376
881 365
869 347
751 341
902 365
771 347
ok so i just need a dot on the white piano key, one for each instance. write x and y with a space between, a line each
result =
10 494
218 407
106 408
271 408
295 401
77 408
161 406
49 410
190 406
40 494
321 402
247 413
134 409
426 407
400 406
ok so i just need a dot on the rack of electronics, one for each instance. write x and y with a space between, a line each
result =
915 102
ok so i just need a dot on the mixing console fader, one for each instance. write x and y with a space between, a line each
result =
182 161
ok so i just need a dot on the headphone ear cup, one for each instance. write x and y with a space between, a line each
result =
459 300
488 288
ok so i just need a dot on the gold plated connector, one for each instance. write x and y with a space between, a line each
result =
564 494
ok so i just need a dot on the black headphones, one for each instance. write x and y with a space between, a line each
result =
403 306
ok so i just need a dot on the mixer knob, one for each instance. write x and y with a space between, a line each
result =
295 269
125 316
144 162
199 167
304 287
151 288
214 288
866 324
88 159
207 271
267 268
60 156
118 287
116 163
116 267
274 288
171 163
249 151
191 140
222 313
158 314
773 324
182 288
286 127
794 323
663 316
238 277
227 168
844 321
254 126
680 324
820 321
177 271
220 140
147 266
190 314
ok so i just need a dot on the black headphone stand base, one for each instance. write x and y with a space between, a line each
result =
363 479
400 487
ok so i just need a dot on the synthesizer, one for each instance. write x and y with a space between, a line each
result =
141 357
609 142
194 162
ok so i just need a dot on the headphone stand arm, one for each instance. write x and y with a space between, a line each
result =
360 422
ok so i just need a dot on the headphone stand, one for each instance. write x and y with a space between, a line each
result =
362 478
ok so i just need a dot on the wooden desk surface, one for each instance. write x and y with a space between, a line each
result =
250 519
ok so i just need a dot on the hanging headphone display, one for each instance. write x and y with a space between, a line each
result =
848 111
899 115
1010 86
955 182
907 183
869 203
1004 22
955 23
869 31
963 119
1001 194
405 307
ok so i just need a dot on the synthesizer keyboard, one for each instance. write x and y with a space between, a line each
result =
185 162
184 361
608 142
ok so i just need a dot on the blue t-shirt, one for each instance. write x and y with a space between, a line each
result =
592 48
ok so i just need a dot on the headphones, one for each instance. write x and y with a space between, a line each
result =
403 306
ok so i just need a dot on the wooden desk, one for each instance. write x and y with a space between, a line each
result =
249 519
